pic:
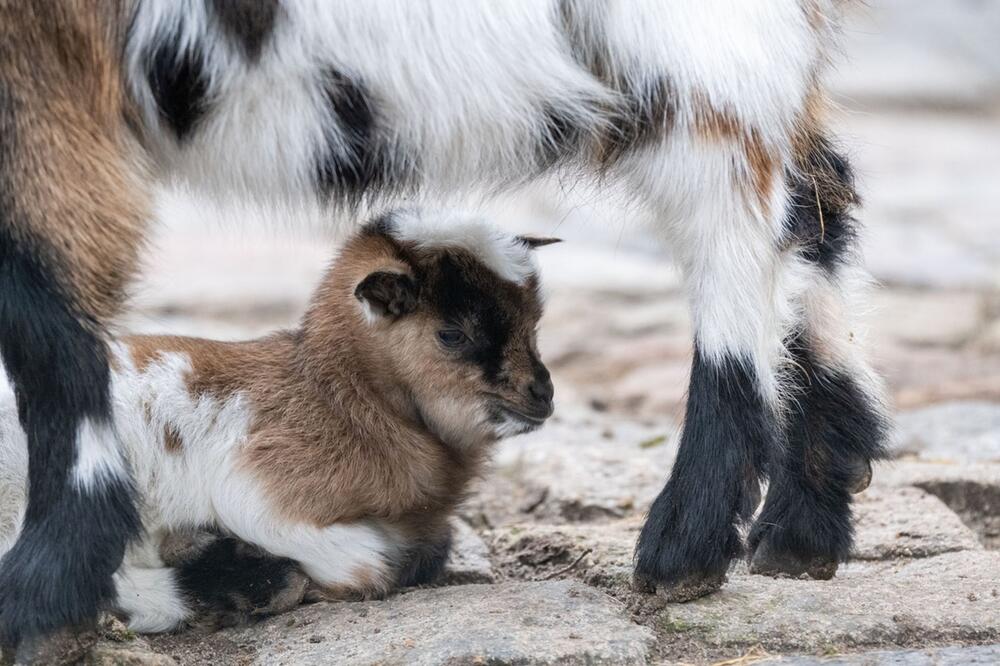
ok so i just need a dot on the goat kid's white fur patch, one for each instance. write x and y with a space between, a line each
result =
151 598
502 253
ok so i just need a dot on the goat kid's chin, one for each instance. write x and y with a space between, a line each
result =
509 419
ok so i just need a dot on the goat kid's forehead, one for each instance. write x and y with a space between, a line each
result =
499 315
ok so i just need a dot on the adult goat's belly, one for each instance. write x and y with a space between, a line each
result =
352 99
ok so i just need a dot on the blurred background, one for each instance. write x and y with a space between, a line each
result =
919 89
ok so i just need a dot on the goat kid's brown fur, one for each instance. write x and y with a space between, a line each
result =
333 437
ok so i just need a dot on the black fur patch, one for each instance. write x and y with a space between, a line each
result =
179 84
832 431
648 112
233 578
247 22
646 119
459 300
822 198
356 163
691 532
424 562
382 225
561 138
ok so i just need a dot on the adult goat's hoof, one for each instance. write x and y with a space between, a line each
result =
688 589
767 561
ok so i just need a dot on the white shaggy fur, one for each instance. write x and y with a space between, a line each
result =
502 253
458 88
97 456
151 598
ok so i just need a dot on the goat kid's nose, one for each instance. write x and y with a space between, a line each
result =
541 389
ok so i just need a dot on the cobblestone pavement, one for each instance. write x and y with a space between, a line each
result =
552 528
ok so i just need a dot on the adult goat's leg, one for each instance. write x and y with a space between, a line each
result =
836 422
71 217
727 241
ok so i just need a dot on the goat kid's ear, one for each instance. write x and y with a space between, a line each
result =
388 294
535 241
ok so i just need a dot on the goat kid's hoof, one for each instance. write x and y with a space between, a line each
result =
861 476
689 589
767 562
289 597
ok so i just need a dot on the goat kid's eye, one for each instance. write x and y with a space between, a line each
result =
452 337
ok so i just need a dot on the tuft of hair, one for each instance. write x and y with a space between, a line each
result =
509 256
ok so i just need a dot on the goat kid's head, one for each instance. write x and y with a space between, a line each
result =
450 305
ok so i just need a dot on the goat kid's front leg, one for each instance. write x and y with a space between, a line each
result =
729 250
342 560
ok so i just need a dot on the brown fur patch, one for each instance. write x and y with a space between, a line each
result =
172 441
77 191
716 126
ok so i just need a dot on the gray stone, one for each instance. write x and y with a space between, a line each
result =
598 554
956 431
907 522
582 466
951 597
510 623
109 654
945 656
970 490
892 523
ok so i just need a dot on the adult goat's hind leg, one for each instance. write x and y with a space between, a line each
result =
71 219
726 240
835 420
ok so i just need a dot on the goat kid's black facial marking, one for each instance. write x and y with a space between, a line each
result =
388 294
178 82
822 197
691 532
459 300
247 22
59 571
833 432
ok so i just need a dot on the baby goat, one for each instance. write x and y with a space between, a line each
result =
342 445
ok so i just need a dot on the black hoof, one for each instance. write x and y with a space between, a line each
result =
691 589
768 562
686 590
